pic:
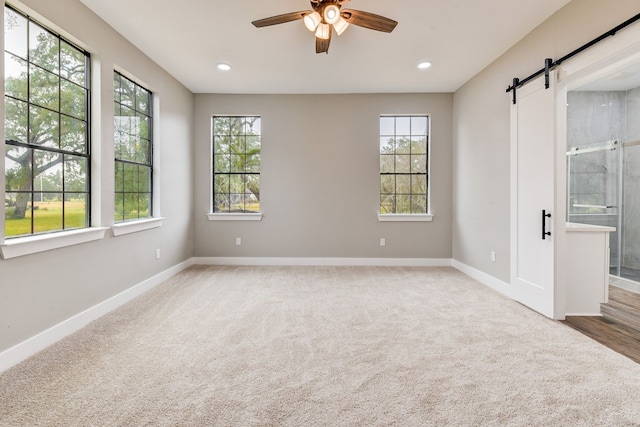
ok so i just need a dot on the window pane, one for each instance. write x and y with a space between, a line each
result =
43 48
387 203
15 121
145 205
403 204
15 33
17 210
418 145
419 164
143 100
130 173
75 211
419 184
44 89
73 99
237 162
117 89
221 183
144 179
73 137
387 164
253 163
252 185
387 126
221 144
143 124
47 212
72 64
387 145
127 93
17 169
131 206
237 184
253 125
418 125
75 174
403 145
47 171
15 74
418 204
387 184
222 164
403 184
221 203
43 127
119 177
403 126
403 164
119 207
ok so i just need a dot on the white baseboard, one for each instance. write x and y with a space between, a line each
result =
484 278
387 262
31 346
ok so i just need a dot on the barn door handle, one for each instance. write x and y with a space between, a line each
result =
545 233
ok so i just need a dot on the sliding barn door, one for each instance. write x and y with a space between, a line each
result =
532 196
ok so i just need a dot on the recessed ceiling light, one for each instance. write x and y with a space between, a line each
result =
424 65
224 67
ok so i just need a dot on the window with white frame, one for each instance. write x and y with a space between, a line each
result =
236 164
404 160
47 128
133 150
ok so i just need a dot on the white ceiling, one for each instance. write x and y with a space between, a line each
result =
189 37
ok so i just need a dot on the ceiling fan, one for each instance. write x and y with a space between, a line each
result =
328 15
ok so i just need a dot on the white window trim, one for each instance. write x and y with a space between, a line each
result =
21 246
235 216
128 227
405 217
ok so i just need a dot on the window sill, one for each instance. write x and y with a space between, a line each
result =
405 217
235 216
129 227
21 246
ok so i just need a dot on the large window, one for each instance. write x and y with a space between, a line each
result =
133 149
404 159
236 164
46 129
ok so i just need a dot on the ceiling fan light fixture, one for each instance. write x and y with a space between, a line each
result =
312 20
331 14
323 31
340 26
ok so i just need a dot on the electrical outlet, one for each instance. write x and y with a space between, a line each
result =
383 241
493 256
238 241
157 253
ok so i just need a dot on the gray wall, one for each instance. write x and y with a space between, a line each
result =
481 129
320 178
41 290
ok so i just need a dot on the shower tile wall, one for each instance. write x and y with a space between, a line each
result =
631 215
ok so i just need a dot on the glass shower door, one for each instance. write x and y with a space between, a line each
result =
594 197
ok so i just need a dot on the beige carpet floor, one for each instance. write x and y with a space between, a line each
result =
323 346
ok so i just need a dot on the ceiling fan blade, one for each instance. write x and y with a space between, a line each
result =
369 20
280 19
322 45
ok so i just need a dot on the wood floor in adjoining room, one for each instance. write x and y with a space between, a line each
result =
618 327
